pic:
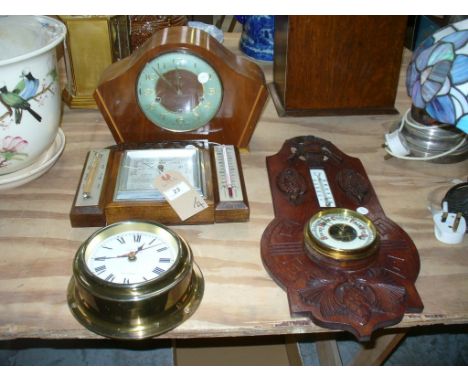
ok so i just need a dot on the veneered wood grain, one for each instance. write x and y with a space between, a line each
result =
329 65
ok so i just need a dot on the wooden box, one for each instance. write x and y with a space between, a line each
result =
337 65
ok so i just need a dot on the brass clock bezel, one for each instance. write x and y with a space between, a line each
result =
316 246
138 310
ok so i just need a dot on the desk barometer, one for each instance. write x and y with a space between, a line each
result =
342 262
133 280
182 84
119 183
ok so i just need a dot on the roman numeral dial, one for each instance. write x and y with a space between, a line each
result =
132 257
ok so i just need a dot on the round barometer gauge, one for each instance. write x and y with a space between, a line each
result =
341 234
133 280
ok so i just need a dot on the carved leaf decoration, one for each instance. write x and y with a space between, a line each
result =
354 185
320 293
314 293
354 299
292 184
391 297
358 299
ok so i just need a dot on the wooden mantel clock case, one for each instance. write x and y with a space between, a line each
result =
182 84
342 262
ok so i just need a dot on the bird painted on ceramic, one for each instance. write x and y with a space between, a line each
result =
27 87
18 103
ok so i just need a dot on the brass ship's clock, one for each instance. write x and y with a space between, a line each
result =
182 84
133 280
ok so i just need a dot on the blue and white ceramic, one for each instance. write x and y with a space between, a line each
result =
257 39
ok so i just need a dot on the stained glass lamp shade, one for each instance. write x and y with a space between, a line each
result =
437 77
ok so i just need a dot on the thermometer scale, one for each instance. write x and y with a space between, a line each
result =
322 188
93 175
227 171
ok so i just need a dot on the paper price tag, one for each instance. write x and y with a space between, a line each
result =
183 198
176 191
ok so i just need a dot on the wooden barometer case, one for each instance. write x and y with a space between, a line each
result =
118 183
182 84
342 262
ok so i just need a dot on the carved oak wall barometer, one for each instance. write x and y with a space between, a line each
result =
182 84
342 262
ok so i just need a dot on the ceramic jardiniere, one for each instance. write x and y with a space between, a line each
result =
30 104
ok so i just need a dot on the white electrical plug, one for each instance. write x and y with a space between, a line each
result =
449 227
397 144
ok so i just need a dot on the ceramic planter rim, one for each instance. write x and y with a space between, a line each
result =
59 38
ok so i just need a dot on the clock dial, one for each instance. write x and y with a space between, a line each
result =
131 257
340 233
179 91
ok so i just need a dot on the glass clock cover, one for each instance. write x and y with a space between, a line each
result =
179 91
139 168
131 256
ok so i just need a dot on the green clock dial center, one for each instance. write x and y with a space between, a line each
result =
179 91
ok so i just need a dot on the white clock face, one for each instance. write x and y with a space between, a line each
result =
132 256
342 231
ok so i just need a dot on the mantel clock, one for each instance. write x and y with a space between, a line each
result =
182 84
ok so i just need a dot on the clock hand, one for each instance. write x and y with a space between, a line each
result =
166 80
111 257
140 248
178 80
129 255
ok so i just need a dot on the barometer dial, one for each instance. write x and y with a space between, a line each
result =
341 233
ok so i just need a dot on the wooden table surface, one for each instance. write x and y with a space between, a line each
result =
37 243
